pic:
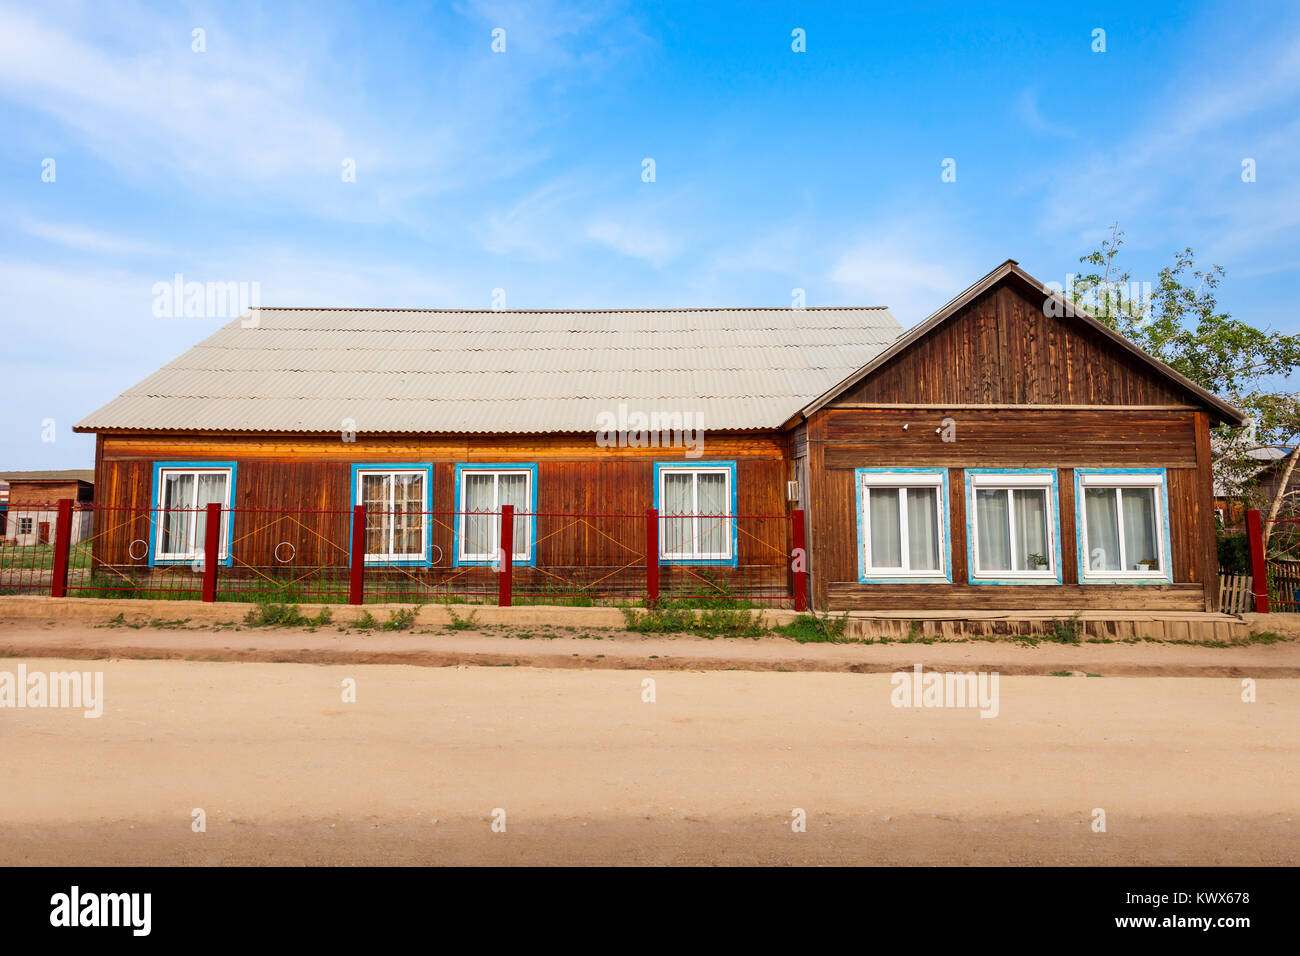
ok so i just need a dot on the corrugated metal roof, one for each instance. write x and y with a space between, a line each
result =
438 371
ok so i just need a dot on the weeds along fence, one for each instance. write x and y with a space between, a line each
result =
365 555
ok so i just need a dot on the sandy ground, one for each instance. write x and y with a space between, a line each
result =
596 648
586 772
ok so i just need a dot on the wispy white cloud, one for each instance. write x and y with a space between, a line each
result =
1028 110
899 268
88 240
274 113
636 239
231 117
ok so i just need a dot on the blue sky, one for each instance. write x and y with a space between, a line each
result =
522 170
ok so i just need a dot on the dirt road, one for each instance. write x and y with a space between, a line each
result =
288 772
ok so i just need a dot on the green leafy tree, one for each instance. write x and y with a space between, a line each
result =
1180 323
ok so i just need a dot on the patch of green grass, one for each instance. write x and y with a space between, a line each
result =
709 622
1264 637
1060 673
815 628
366 622
40 557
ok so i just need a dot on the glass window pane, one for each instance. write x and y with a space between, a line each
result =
178 494
211 490
1030 547
1103 529
375 492
713 524
1141 549
513 490
481 525
408 508
993 547
883 516
923 528
678 490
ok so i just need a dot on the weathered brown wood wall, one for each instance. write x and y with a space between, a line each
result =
1003 349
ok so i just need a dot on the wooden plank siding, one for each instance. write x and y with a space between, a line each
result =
1172 597
1002 349
285 475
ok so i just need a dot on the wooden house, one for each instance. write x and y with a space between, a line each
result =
1008 452
29 513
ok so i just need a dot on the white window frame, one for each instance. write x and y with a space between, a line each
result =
26 525
728 553
903 481
381 557
1008 482
496 474
195 546
1120 481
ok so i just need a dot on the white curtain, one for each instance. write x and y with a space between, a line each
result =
1031 529
677 500
1141 550
481 529
886 545
923 528
177 500
1103 529
513 490
994 541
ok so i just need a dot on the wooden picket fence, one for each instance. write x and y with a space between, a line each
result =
1235 595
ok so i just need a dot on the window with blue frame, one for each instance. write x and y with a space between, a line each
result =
1013 527
481 492
181 493
396 501
902 525
697 508
1123 521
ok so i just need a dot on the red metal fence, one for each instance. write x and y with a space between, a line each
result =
365 555
1275 571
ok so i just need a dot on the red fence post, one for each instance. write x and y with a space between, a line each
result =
1258 569
211 551
62 543
507 549
651 557
357 555
799 561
